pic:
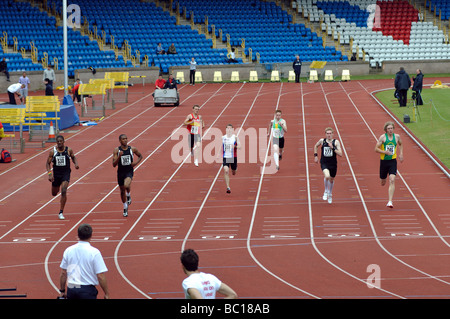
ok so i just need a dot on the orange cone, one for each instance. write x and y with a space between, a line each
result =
51 133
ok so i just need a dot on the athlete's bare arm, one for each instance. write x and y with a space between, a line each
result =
188 120
378 149
49 167
72 156
338 149
399 147
316 148
135 151
116 157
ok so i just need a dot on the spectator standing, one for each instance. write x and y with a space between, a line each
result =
402 85
24 91
76 95
417 87
4 69
297 66
48 88
192 69
83 268
49 74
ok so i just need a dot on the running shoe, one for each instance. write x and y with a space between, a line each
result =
325 196
196 163
330 199
125 212
129 200
390 205
228 190
61 216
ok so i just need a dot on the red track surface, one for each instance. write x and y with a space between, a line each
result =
272 237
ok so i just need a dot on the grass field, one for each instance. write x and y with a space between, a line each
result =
433 125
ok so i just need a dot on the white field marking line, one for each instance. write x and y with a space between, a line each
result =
313 239
74 183
106 196
153 200
405 130
362 197
400 175
80 132
249 249
47 150
183 245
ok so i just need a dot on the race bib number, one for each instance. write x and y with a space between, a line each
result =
229 148
327 151
60 161
277 133
390 148
125 160
194 129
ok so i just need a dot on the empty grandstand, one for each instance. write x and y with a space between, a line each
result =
125 33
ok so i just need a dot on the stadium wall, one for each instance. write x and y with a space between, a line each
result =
264 71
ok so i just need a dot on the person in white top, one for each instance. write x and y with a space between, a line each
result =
278 127
83 268
192 69
200 285
14 89
230 145
24 79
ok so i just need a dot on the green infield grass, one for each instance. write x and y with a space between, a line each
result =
431 124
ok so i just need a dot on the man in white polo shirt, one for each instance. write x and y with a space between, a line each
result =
14 89
83 268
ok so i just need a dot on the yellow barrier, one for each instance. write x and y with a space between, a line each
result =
89 90
119 77
36 110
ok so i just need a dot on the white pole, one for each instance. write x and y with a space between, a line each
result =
66 77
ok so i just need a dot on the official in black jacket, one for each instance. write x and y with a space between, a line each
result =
417 87
402 85
297 66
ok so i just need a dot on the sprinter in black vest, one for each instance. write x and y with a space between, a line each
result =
123 158
59 157
328 161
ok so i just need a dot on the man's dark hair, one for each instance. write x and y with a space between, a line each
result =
189 259
121 135
60 136
84 231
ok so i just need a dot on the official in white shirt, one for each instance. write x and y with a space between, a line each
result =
83 268
14 89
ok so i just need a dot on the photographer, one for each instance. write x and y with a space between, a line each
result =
417 87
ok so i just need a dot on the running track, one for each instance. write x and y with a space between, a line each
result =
272 237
